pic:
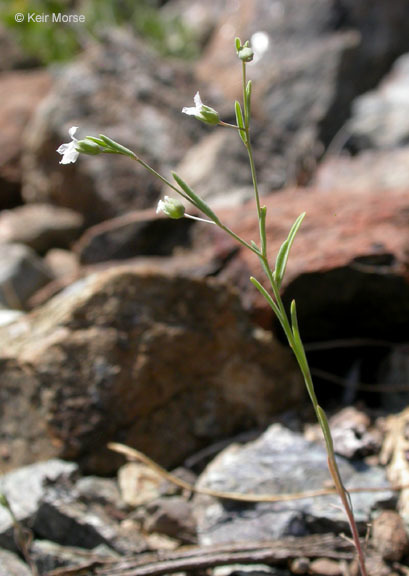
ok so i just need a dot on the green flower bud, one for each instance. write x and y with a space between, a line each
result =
246 54
87 146
172 207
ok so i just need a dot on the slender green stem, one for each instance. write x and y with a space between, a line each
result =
162 178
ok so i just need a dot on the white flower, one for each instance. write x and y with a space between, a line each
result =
202 112
194 111
172 207
69 151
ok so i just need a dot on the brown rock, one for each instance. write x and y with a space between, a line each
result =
132 356
62 263
20 94
40 226
325 567
351 250
389 536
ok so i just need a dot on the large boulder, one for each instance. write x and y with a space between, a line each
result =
20 95
160 362
314 58
40 226
120 88
380 118
347 269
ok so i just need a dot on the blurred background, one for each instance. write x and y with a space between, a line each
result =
330 130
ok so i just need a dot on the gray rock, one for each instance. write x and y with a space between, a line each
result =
24 489
49 556
40 227
11 565
173 517
319 56
63 518
281 461
120 88
22 273
380 117
129 355
135 234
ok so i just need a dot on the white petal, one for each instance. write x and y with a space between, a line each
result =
70 154
190 111
72 131
197 100
160 206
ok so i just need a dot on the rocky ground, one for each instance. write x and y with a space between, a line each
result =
119 325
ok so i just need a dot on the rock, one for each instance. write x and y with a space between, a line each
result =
173 517
369 170
347 238
50 556
11 565
62 263
199 19
301 97
24 488
63 518
135 234
8 316
352 435
122 354
380 117
20 95
120 88
22 273
281 461
40 226
389 536
138 483
325 567
217 168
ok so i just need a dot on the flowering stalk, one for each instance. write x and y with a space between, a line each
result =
173 208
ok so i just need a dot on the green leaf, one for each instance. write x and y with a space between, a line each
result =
283 253
238 44
322 417
263 214
195 199
240 122
248 97
267 296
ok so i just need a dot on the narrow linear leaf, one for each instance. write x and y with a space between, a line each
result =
240 122
267 296
248 97
322 417
300 353
195 199
117 147
263 236
283 253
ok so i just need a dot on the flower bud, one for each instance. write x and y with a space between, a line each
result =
172 207
246 54
88 147
208 115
